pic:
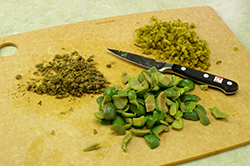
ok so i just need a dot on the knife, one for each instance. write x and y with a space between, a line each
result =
225 85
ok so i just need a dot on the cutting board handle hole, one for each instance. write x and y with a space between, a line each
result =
8 49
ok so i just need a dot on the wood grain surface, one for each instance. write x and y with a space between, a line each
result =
33 134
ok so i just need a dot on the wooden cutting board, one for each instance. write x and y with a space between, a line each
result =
33 134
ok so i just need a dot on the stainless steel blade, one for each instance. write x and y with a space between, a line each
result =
142 60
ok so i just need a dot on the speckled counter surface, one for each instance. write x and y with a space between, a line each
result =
23 16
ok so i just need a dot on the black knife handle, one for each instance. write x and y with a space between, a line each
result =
225 85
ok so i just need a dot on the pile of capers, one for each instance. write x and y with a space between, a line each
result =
68 75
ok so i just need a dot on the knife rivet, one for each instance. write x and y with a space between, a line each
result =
229 83
183 68
205 75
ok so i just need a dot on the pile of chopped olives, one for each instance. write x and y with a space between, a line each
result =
149 104
68 75
174 41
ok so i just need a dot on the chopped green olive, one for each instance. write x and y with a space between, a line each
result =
92 146
109 111
178 124
218 114
160 102
128 115
99 115
150 103
159 115
202 116
144 89
164 122
204 87
125 141
139 122
191 106
178 115
191 116
126 108
128 126
173 109
150 121
164 80
99 99
152 141
125 77
140 132
118 129
201 108
158 129
139 111
134 83
172 92
119 101
190 97
104 121
133 98
169 119
187 82
119 120
110 91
